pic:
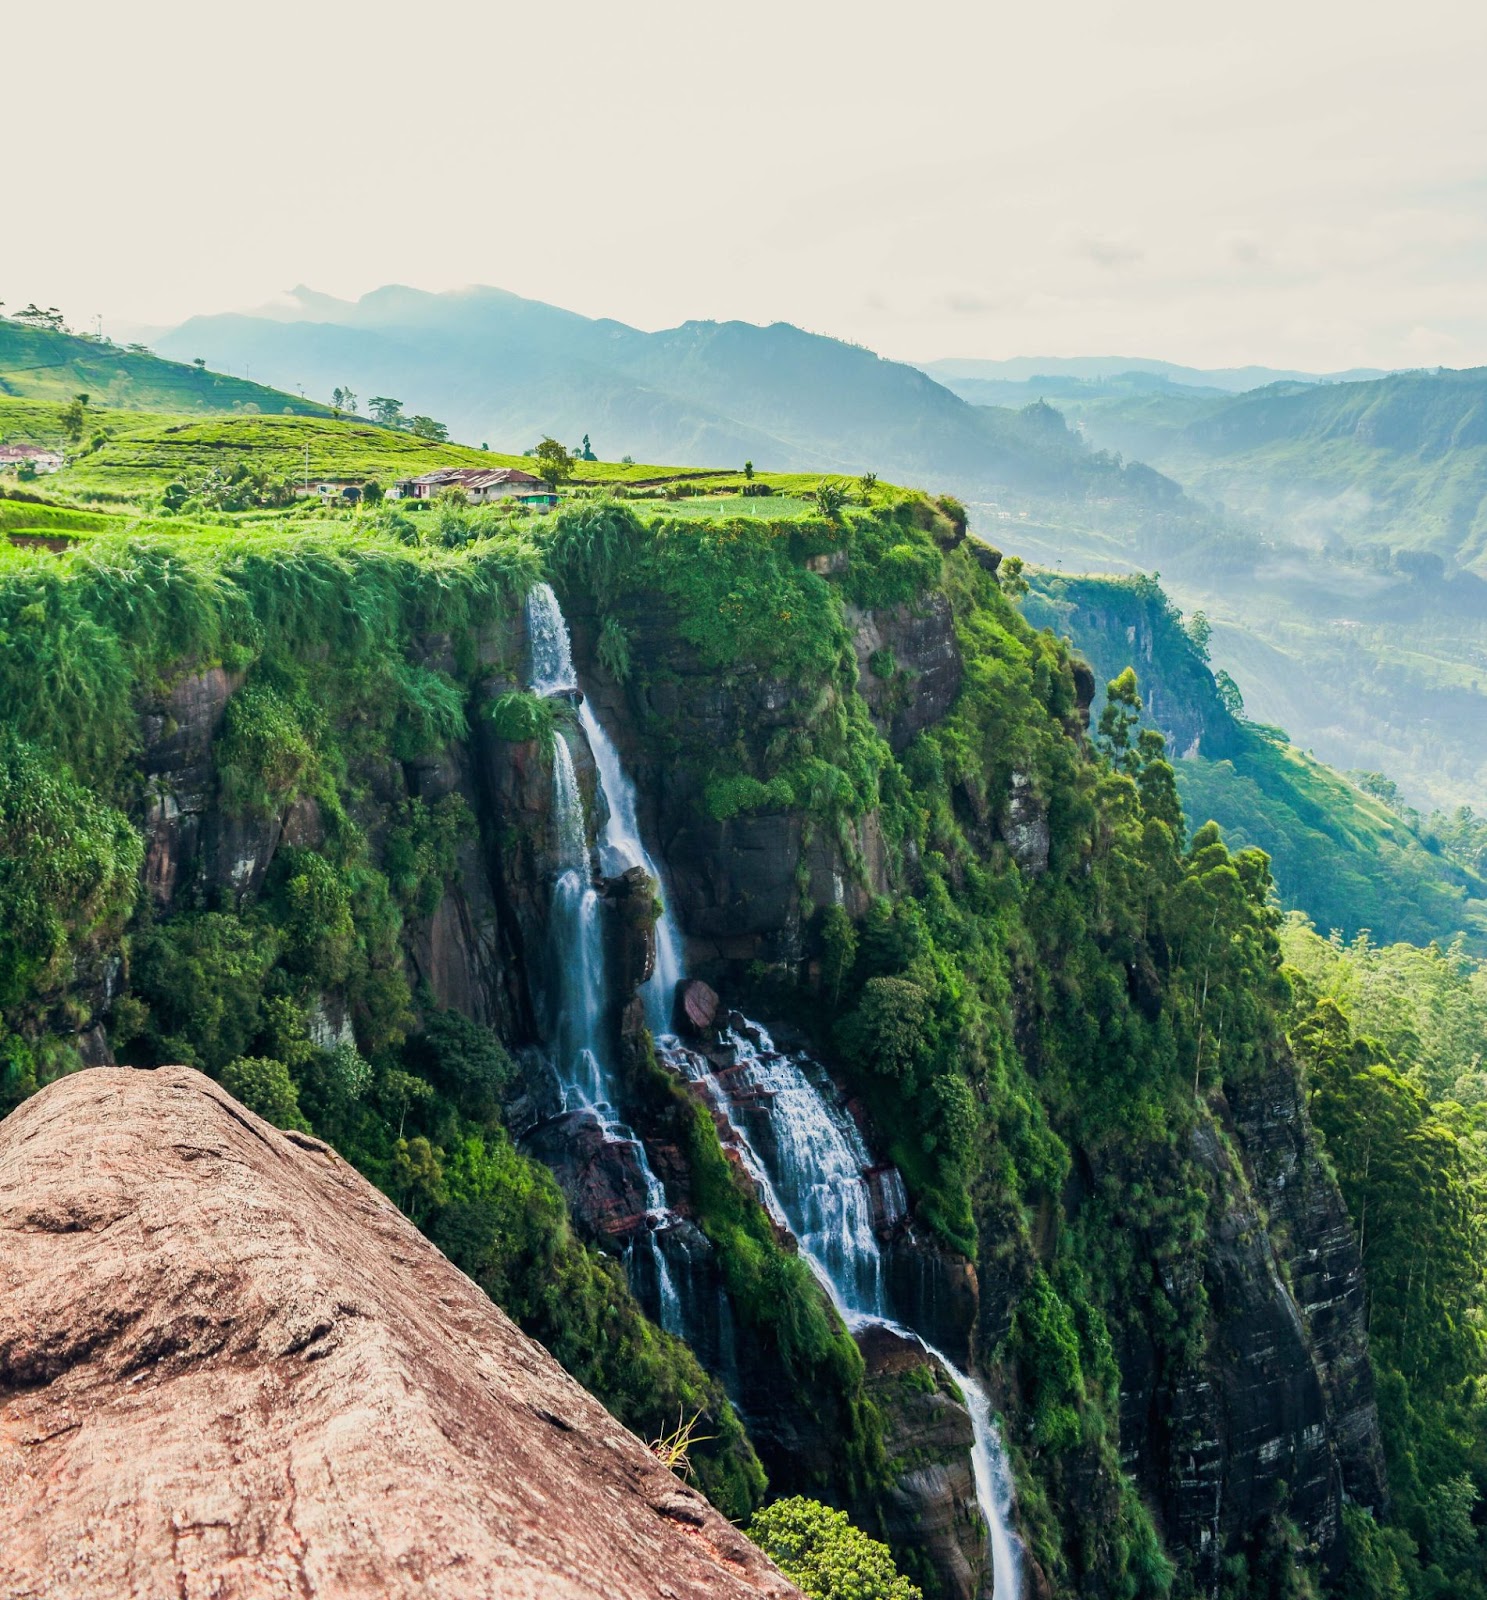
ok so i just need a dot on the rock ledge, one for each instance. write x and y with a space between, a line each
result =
230 1367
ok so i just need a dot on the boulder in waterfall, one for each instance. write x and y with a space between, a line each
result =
632 895
230 1367
602 1176
696 1006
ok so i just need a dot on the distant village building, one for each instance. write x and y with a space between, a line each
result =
480 485
43 460
345 490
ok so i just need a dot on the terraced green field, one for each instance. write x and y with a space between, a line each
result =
139 453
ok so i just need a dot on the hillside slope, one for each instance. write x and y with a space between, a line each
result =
40 364
1337 853
1352 597
1396 464
499 368
962 374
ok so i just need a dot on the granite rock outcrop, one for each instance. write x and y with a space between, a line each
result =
230 1367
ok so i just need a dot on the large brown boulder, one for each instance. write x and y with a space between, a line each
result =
229 1367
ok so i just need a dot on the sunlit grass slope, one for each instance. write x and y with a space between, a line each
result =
38 364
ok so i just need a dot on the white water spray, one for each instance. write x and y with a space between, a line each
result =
620 844
578 1016
813 1182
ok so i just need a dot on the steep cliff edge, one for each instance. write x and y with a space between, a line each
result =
305 836
229 1366
1337 852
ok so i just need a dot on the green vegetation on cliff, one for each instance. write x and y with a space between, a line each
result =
318 629
1393 1039
1021 1002
1337 852
1056 1005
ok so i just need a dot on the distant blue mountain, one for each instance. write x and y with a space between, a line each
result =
504 370
1098 369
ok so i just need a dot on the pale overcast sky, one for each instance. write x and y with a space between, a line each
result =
1300 183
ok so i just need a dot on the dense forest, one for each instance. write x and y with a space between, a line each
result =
276 801
1348 851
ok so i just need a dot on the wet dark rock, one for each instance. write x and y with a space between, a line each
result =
601 1176
242 849
435 777
304 827
93 1047
631 898
513 791
457 953
176 734
934 1289
734 883
929 1508
909 668
706 1313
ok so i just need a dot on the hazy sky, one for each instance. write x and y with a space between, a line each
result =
1300 183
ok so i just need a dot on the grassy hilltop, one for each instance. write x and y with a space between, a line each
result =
129 457
1338 854
42 364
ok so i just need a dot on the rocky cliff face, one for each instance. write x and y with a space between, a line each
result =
1120 622
1271 1418
229 1366
930 1506
1318 1253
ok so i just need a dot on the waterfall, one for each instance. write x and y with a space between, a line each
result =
803 1151
620 848
550 648
578 1017
620 844
810 1164
577 936
813 1183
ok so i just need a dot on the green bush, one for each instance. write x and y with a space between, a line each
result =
823 1554
202 976
420 853
886 1032
266 756
465 1062
520 717
69 869
264 1086
319 935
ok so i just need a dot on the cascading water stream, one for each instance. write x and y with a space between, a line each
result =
578 1013
620 844
804 1153
620 848
810 1163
